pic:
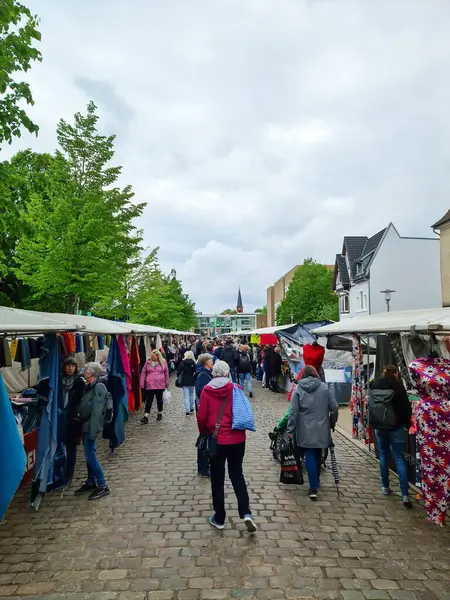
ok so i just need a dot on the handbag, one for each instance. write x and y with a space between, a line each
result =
291 466
206 444
179 381
243 418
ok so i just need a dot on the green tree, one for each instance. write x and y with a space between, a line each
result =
229 311
18 32
158 299
310 296
79 242
262 310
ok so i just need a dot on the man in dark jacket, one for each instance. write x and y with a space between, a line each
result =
230 356
244 368
392 436
91 413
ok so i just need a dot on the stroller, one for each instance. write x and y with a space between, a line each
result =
275 439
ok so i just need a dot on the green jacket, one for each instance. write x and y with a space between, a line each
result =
92 409
282 424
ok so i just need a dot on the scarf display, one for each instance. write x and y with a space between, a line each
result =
356 401
432 380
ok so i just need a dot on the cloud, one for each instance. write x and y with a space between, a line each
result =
258 132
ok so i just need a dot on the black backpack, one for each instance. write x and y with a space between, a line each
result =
244 362
381 411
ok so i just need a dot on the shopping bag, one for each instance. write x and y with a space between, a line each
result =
291 466
243 417
167 397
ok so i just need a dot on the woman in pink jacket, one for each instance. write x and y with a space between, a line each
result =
154 380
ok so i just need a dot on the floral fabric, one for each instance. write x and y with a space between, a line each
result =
356 401
432 379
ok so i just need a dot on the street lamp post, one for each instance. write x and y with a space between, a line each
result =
388 296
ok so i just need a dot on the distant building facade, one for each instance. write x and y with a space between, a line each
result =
275 294
216 325
387 261
443 227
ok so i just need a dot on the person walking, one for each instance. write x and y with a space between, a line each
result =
216 408
205 365
244 368
389 423
186 371
73 386
276 363
230 356
91 413
313 413
154 380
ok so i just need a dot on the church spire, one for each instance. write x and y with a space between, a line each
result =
239 306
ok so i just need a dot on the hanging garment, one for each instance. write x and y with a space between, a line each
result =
13 349
117 386
23 354
127 371
148 347
69 342
5 354
384 355
135 374
34 348
356 401
432 379
49 380
101 342
399 360
142 353
79 344
12 453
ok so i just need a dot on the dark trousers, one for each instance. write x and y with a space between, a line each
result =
71 453
233 454
149 396
313 460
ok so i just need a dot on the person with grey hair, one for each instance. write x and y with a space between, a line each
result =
215 414
313 414
91 413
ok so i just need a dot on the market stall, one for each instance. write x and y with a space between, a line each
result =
418 343
33 346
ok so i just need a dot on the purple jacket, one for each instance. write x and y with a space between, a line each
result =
154 378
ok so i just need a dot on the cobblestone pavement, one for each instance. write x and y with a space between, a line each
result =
150 539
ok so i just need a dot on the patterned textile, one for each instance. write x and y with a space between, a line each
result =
432 380
356 401
397 350
415 456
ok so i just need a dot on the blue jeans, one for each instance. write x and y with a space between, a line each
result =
233 374
94 468
189 394
394 440
246 377
312 458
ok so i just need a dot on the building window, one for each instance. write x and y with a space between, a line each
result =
344 304
358 301
365 302
361 300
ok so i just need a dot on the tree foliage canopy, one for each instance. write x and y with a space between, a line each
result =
68 241
229 311
310 296
18 32
262 310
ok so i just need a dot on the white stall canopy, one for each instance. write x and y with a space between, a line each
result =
17 321
84 324
436 320
264 330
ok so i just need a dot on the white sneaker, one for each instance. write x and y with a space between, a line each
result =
250 524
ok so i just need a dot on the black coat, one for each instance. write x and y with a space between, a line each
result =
74 427
187 370
400 403
230 356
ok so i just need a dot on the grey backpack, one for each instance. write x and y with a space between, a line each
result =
381 412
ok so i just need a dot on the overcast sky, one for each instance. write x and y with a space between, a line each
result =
259 132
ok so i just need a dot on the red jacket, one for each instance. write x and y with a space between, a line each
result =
211 400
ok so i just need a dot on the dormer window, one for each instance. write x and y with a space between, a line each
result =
359 268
